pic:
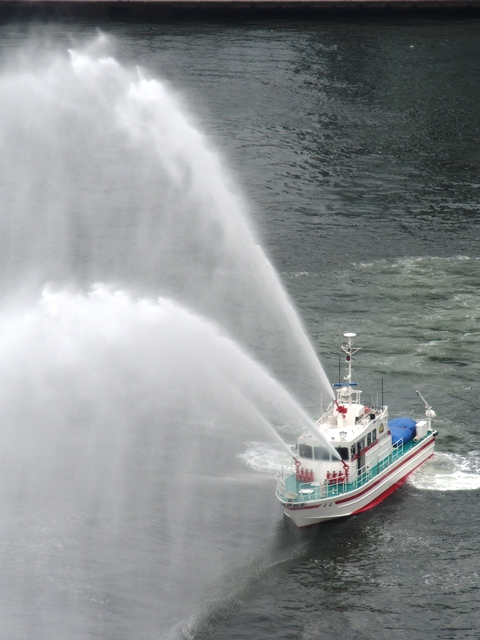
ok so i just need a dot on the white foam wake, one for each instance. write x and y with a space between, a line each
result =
449 472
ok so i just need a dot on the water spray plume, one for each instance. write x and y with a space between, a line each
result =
124 405
104 166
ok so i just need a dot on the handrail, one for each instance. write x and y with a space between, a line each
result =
306 491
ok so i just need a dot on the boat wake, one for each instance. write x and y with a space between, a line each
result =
449 472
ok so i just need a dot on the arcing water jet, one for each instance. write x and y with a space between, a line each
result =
123 499
106 179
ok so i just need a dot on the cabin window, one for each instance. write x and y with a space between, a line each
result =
305 451
360 445
369 439
320 453
352 451
374 435
342 452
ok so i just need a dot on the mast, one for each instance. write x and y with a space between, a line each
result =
344 389
350 351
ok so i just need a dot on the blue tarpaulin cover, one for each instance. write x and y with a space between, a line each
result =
402 428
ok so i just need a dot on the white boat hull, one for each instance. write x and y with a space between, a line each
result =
365 497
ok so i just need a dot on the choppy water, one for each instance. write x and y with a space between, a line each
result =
356 147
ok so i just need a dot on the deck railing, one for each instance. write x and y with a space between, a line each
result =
295 492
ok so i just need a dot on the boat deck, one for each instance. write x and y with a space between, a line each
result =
291 491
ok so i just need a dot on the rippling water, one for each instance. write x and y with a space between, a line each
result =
357 145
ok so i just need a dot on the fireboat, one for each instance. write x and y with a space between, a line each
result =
355 458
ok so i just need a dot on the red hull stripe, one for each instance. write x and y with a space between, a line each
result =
374 484
388 492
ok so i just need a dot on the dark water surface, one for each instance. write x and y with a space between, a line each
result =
358 148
